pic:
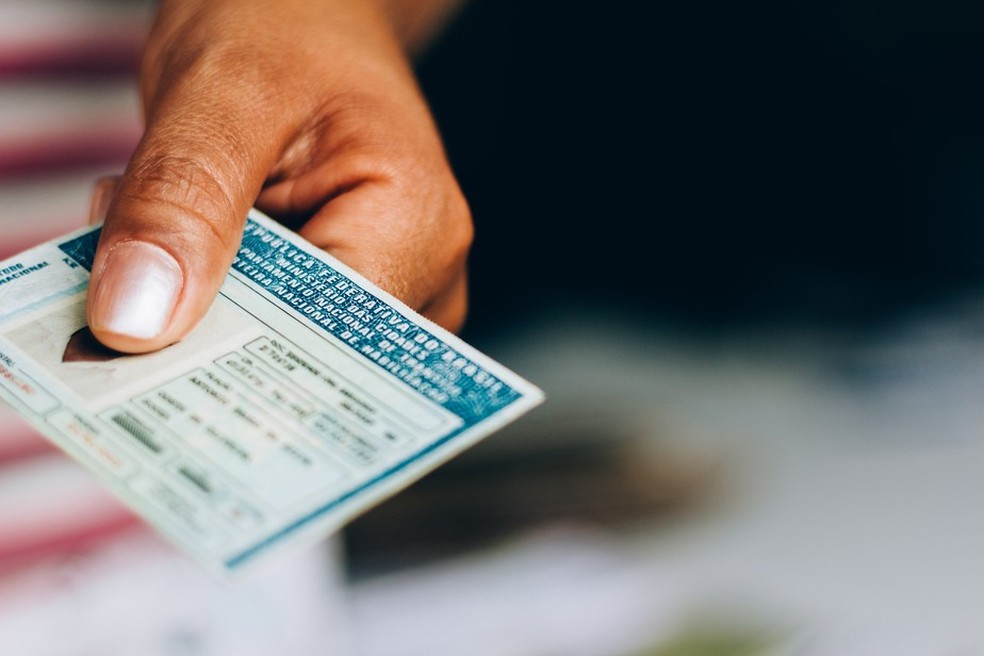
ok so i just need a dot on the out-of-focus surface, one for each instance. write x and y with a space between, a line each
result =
837 477
739 248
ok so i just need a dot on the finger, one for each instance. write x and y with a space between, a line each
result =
375 231
102 194
354 227
176 217
449 308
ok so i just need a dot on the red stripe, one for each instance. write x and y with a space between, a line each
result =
52 152
76 57
24 448
51 230
13 557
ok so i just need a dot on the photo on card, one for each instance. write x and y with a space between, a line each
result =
61 343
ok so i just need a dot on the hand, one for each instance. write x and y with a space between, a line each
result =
307 109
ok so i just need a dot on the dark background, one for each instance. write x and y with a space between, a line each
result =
715 163
706 171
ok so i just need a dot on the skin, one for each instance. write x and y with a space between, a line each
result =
307 109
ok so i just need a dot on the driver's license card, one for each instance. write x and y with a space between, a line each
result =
305 396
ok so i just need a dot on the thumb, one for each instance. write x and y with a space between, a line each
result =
176 217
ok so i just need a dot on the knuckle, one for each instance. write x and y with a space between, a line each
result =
461 234
451 309
180 186
182 181
455 320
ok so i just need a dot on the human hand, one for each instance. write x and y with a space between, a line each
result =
305 108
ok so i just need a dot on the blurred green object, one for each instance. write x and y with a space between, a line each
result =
716 641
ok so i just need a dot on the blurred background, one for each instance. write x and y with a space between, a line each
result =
738 247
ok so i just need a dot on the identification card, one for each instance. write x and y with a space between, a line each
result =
305 396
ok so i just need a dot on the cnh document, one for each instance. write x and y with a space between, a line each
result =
305 396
